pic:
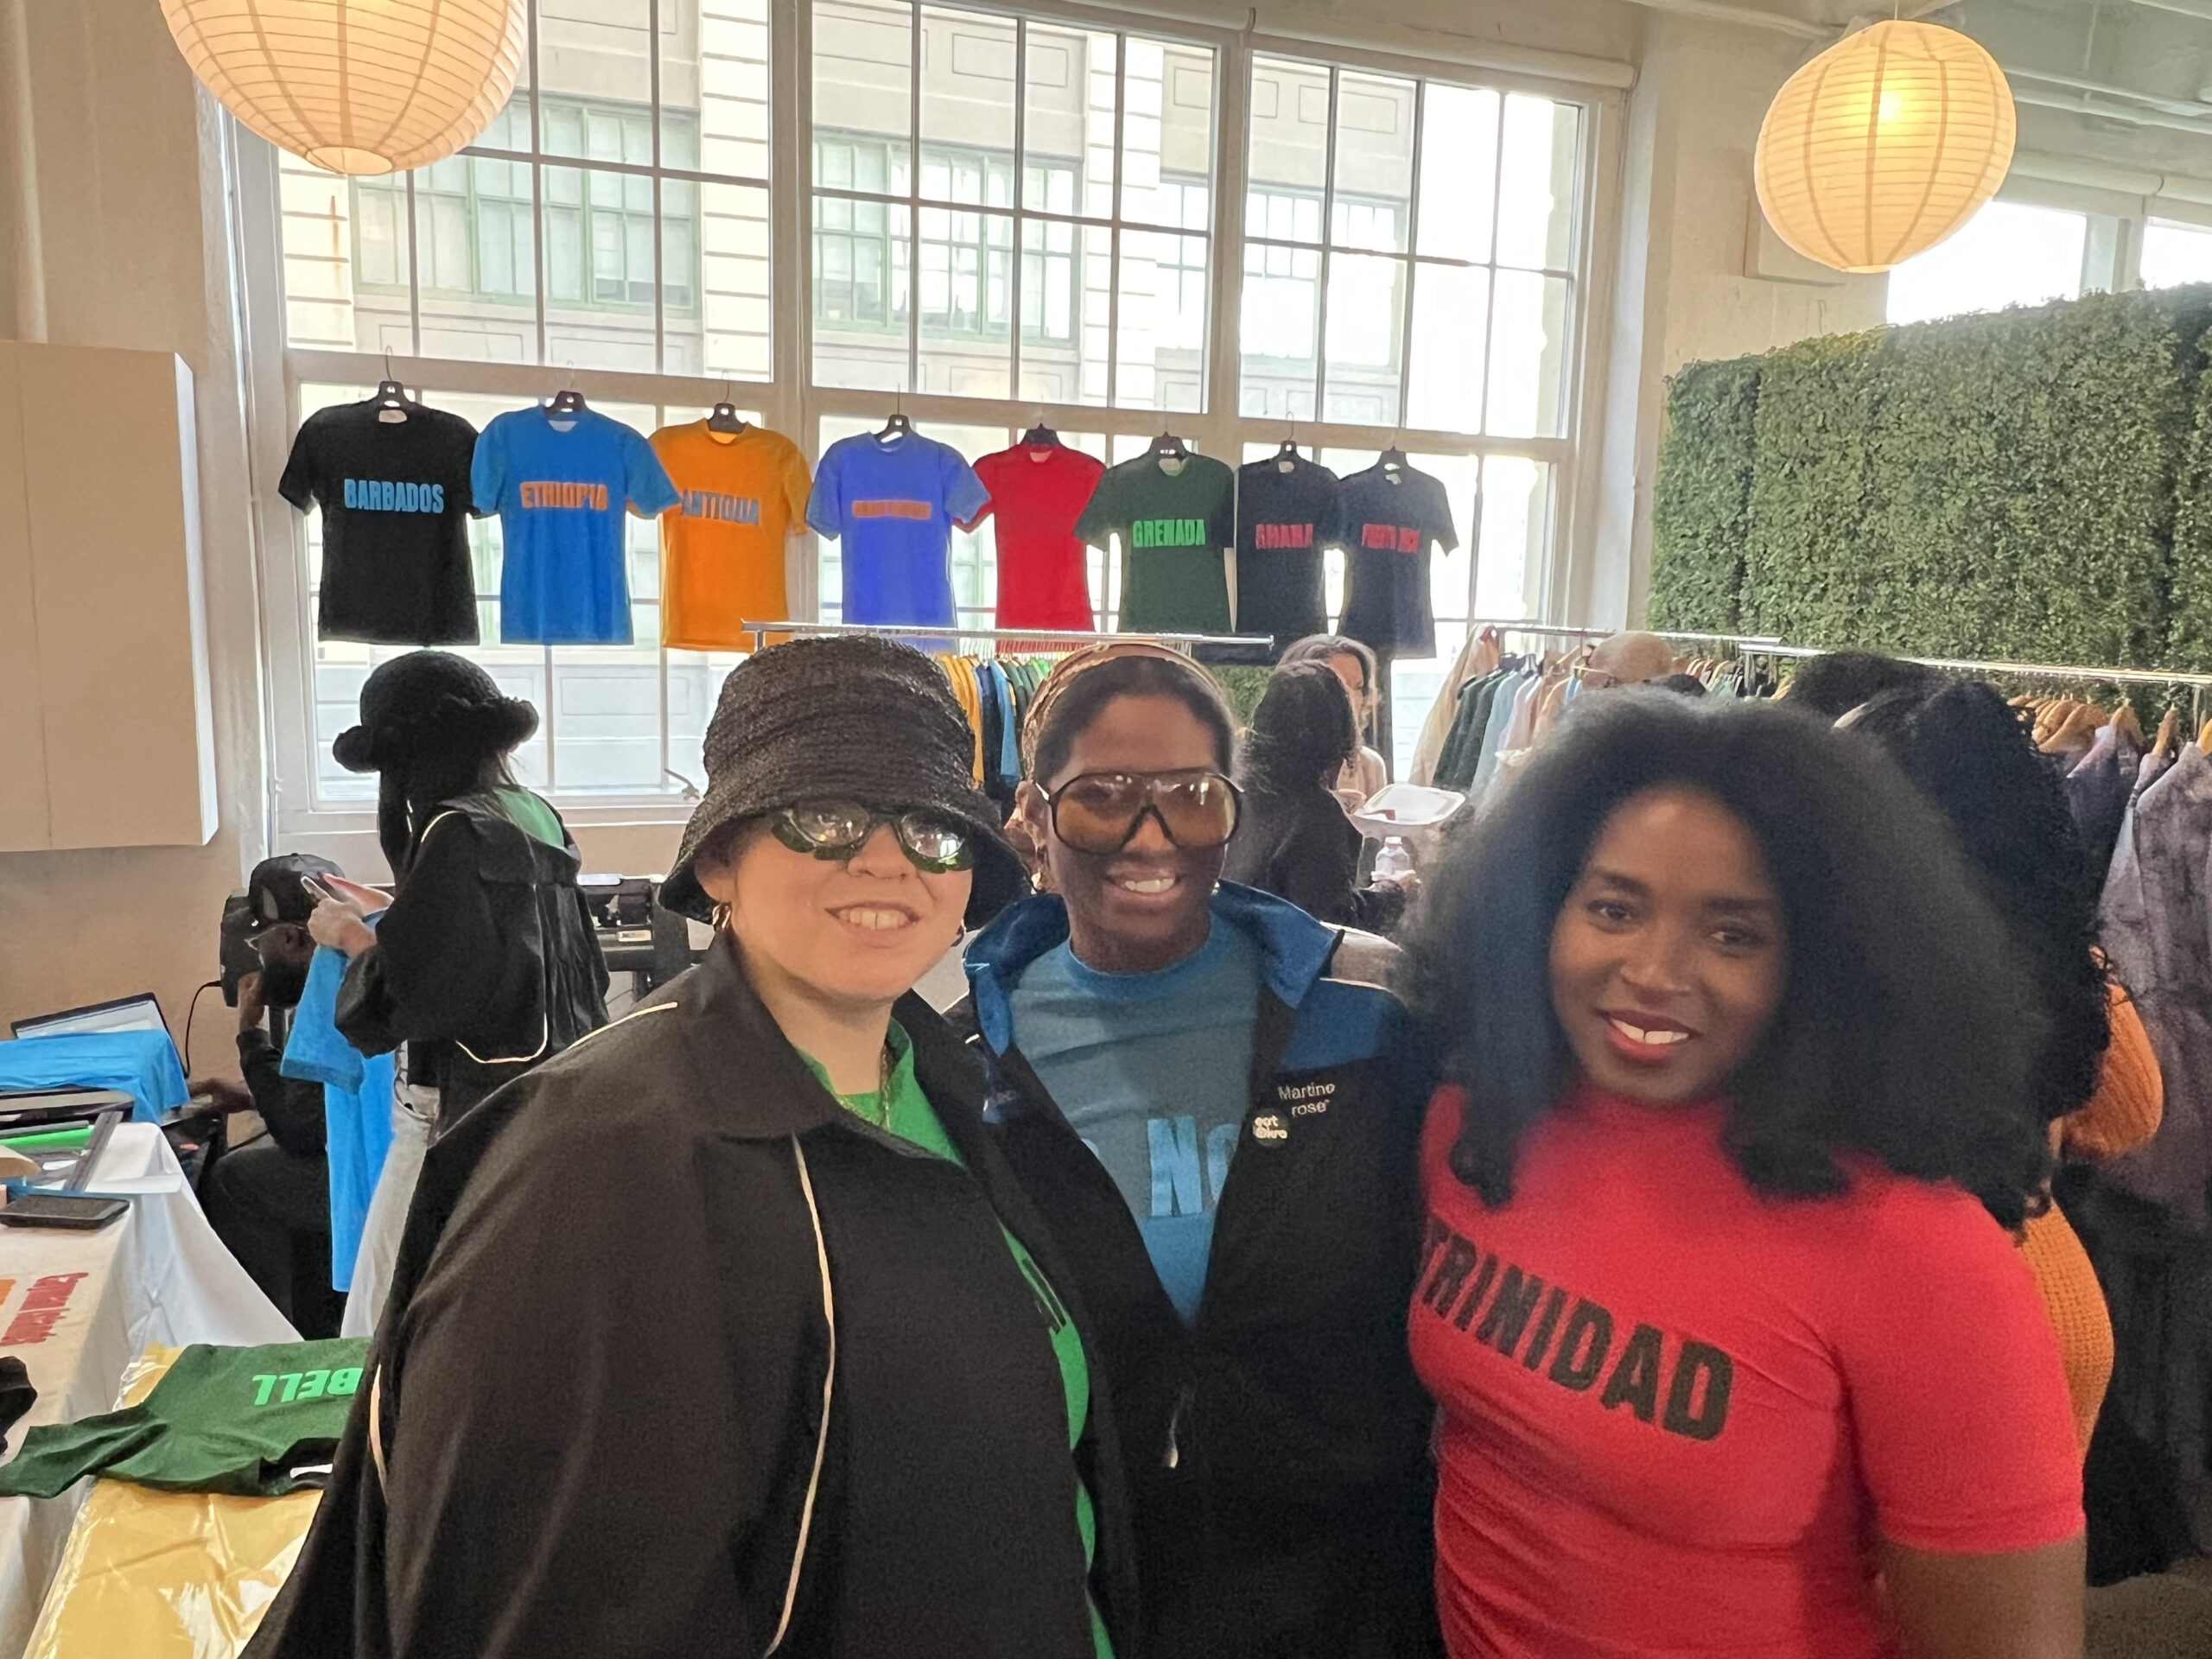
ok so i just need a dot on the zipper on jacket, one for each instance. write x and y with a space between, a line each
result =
1174 1457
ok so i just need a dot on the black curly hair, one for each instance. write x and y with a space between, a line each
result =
1899 1038
1302 733
1969 753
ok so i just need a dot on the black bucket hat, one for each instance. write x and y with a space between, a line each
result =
431 700
850 717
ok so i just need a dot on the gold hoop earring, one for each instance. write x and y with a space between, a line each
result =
718 917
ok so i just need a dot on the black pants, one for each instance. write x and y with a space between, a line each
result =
272 1209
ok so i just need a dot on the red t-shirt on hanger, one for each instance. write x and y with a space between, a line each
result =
1038 492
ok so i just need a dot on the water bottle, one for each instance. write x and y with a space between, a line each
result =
1393 860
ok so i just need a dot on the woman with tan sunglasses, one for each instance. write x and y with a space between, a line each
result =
1207 1094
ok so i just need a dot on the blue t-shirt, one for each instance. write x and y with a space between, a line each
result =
891 506
559 484
356 1105
1154 1071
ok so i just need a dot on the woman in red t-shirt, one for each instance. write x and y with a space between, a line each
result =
1734 1352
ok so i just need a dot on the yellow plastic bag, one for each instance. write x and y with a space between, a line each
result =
156 1575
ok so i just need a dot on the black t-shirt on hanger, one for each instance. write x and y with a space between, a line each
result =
1288 510
395 499
1391 516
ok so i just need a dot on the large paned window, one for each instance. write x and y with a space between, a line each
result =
1409 252
917 283
982 217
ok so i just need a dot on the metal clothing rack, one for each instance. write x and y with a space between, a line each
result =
1050 637
1768 646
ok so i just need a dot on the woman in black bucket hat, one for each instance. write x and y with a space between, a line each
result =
486 962
728 1330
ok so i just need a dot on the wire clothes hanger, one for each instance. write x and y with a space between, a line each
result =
567 401
1287 450
1041 434
725 418
1169 447
391 396
898 426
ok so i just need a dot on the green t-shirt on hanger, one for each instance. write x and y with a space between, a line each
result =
1174 527
912 1118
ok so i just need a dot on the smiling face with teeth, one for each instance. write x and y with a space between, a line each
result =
838 936
1669 956
1142 908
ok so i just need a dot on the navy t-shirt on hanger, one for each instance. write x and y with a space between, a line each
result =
1393 515
395 500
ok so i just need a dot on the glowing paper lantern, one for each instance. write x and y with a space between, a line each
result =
1885 144
355 86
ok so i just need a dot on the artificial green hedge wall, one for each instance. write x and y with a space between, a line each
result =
2033 485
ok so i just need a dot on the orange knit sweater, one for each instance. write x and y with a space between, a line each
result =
2123 1114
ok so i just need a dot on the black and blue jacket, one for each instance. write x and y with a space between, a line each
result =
1277 1448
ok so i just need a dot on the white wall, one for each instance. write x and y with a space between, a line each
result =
115 236
116 214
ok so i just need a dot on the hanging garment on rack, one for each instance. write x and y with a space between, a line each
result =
1393 516
1288 510
1038 490
960 671
395 499
1494 730
1477 657
2158 931
559 482
891 506
2098 791
741 495
1175 519
1462 749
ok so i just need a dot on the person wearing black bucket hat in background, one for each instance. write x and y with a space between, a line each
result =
729 1331
486 962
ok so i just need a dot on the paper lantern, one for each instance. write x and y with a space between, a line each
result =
1885 144
355 86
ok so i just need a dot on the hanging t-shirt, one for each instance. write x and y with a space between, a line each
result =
1286 511
892 507
253 1422
1675 1411
1173 526
1038 492
395 499
559 484
911 1117
1154 1070
722 544
1392 516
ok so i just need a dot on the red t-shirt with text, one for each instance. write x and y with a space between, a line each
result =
1038 492
1676 1414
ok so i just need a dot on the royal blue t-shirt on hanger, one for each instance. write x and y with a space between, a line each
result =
559 484
892 507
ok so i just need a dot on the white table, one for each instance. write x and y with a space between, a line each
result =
77 1308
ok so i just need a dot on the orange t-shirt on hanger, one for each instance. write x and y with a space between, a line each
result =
722 545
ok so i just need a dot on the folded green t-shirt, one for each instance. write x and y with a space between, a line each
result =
254 1422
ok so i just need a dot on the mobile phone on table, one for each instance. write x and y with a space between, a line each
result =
85 1215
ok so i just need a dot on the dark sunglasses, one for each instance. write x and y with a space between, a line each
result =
1099 812
838 830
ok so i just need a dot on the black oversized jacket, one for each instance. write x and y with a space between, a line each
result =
593 1423
1277 1447
486 963
1303 848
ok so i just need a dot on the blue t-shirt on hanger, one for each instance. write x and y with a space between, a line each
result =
892 507
559 484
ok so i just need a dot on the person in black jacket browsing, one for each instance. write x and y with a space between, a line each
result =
1294 840
1212 1100
486 962
728 1331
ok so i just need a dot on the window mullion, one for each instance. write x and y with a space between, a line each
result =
1328 241
660 286
1019 189
1490 296
912 382
1114 236
537 214
1413 263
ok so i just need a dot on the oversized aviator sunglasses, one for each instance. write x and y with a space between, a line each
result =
1099 812
838 830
